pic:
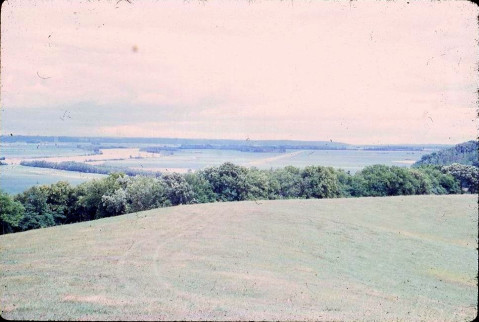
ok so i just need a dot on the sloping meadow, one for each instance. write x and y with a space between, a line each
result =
404 257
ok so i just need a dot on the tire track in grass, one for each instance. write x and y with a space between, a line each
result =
183 288
179 227
193 227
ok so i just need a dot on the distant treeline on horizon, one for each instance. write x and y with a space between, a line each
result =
247 145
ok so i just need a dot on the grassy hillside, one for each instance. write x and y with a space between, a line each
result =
409 258
464 153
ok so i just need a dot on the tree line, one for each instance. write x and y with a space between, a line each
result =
116 194
84 167
465 153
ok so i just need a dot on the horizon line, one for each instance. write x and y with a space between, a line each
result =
224 139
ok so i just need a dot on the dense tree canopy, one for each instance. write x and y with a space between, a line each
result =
38 212
60 203
319 182
143 193
228 181
11 213
465 153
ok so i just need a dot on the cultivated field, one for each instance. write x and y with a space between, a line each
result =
407 258
16 178
350 160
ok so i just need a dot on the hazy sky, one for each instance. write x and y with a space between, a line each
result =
357 72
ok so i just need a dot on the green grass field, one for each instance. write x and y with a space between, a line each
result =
406 258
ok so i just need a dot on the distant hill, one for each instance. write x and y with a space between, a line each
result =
464 153
178 142
246 145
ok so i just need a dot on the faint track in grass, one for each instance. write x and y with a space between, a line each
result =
181 227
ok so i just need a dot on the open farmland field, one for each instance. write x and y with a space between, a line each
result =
350 160
16 178
407 258
39 150
105 155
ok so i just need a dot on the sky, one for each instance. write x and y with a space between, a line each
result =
360 72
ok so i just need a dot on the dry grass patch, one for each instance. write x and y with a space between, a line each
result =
97 299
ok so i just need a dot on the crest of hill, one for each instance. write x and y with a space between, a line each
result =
464 153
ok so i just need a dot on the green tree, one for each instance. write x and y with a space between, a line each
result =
374 181
201 187
228 181
61 200
464 153
145 193
319 182
382 180
287 183
274 187
405 182
38 213
345 183
438 182
257 184
115 203
11 213
90 194
178 190
467 175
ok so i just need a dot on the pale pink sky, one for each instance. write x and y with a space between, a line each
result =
355 72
